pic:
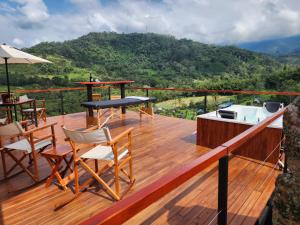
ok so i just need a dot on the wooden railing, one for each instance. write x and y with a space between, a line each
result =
132 205
204 93
24 91
285 93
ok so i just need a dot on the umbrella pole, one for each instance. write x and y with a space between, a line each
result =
7 77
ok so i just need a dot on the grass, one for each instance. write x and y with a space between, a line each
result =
185 102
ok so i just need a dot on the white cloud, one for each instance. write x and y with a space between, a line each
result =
289 15
209 21
18 42
32 13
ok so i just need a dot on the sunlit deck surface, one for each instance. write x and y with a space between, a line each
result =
159 145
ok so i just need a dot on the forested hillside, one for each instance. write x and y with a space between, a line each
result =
149 59
155 60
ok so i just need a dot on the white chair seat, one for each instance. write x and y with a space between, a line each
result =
3 121
102 152
32 110
24 145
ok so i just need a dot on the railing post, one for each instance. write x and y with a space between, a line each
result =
223 190
61 95
285 168
109 93
205 102
122 90
147 94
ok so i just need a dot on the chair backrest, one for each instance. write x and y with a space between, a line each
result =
88 137
23 98
96 97
115 97
3 121
93 137
273 107
11 129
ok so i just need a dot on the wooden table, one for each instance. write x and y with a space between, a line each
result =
55 156
13 105
89 90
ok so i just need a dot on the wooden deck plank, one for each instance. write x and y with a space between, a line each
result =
159 145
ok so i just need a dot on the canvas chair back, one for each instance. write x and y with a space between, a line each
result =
115 97
23 98
96 97
80 138
11 129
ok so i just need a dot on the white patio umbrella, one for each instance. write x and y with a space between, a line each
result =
11 55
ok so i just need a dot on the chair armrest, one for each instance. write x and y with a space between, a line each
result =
42 103
91 128
120 136
24 124
39 128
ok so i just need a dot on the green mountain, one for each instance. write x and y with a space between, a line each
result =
277 47
150 59
285 50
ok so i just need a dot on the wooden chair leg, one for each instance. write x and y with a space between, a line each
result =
117 180
35 165
3 163
76 180
55 173
96 166
18 161
45 115
130 170
102 182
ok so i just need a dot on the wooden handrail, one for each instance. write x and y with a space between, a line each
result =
168 89
130 206
219 91
57 89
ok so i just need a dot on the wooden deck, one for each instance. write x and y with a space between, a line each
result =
159 145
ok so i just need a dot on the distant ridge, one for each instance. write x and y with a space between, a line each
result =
276 47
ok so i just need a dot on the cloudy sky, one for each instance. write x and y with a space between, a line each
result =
28 22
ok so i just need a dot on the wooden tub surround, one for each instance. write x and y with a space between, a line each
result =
213 132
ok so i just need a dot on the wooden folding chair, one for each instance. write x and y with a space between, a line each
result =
104 149
3 121
96 97
115 111
107 114
28 113
27 143
5 116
